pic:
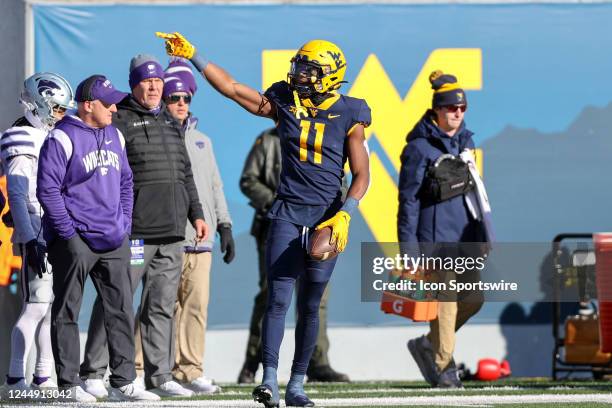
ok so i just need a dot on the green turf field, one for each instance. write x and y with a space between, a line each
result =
527 393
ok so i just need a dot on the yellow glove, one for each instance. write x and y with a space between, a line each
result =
177 45
339 224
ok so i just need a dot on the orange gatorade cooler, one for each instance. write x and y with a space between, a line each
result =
603 274
413 304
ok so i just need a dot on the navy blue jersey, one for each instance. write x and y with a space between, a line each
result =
314 148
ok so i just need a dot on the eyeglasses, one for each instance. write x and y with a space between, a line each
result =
177 98
454 108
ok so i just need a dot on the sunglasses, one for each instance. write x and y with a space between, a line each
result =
177 98
454 108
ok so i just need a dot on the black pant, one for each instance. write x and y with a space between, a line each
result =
72 261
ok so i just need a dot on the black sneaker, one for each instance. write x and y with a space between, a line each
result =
421 352
325 374
449 378
246 376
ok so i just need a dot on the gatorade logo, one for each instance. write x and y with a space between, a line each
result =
398 306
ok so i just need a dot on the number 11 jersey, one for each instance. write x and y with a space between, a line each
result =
314 147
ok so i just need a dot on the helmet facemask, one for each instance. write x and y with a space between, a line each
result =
305 77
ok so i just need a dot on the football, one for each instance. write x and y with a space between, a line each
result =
320 248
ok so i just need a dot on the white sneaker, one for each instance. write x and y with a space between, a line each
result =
172 389
95 387
81 395
132 392
203 385
47 384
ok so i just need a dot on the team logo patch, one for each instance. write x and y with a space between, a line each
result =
200 144
460 96
48 88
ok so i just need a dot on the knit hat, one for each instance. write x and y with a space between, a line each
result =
179 75
144 66
446 90
173 84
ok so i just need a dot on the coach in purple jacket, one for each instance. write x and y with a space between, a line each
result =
86 192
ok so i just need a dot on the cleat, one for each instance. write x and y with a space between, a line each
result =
47 383
18 385
298 401
264 395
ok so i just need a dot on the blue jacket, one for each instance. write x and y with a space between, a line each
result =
419 220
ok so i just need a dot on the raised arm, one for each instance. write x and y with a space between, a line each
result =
245 96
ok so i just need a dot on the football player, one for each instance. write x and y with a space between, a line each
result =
319 130
46 97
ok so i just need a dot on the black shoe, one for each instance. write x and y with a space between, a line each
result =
325 374
298 401
246 376
421 352
265 395
449 378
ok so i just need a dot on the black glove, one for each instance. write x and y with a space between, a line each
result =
227 242
7 219
35 257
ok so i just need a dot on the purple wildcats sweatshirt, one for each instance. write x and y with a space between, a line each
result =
85 185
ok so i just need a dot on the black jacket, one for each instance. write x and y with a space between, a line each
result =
165 194
260 177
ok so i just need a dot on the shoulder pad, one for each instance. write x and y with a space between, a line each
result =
19 140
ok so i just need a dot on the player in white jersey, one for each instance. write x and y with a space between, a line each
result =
45 98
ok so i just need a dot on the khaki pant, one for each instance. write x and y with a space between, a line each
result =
190 317
453 312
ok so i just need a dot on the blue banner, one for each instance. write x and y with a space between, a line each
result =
538 92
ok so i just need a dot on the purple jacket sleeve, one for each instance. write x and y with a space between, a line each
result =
127 191
50 179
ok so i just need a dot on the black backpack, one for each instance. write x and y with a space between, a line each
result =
447 177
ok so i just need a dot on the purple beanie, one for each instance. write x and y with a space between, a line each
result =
181 69
144 66
173 84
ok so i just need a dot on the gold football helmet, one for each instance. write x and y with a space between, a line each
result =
318 67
